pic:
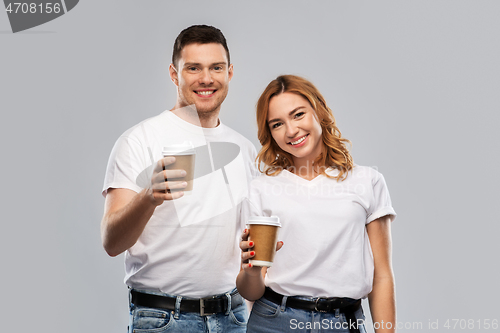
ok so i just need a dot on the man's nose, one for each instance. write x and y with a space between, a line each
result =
206 77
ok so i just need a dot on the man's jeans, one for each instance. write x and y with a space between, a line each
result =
149 320
269 317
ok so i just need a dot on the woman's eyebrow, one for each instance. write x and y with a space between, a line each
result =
289 114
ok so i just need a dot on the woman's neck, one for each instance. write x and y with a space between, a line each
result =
305 169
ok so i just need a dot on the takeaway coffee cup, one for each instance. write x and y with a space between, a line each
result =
184 159
263 231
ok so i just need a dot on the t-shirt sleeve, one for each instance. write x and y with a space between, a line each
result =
251 206
380 204
252 166
127 167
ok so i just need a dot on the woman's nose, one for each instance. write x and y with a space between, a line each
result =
291 130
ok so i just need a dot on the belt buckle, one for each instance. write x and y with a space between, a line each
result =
316 305
202 307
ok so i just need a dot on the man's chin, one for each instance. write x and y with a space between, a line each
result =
207 109
200 108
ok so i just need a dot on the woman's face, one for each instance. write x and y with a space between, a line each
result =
294 126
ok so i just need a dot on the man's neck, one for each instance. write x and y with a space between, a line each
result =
190 115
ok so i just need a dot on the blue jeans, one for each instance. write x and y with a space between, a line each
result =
269 317
152 320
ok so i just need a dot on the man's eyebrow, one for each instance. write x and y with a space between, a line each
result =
289 114
187 64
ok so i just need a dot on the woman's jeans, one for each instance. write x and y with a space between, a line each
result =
149 320
269 317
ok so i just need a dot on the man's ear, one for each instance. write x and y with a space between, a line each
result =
173 74
230 72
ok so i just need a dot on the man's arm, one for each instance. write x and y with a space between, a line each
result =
382 298
126 212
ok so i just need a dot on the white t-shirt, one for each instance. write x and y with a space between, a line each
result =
189 247
326 249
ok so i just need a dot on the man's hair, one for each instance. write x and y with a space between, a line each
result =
198 34
334 151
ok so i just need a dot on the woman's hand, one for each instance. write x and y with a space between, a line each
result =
247 253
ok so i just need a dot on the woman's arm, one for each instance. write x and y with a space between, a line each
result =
250 280
382 298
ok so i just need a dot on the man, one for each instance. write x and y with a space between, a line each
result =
181 251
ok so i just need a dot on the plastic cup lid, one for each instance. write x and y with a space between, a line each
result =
185 148
269 220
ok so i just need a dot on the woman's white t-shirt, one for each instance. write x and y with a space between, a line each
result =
326 248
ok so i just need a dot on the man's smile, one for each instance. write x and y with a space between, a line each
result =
205 92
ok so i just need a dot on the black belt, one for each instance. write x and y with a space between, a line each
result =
203 306
348 306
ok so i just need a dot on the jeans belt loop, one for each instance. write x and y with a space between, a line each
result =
129 297
177 307
229 305
202 307
283 303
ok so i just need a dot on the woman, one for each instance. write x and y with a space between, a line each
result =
335 218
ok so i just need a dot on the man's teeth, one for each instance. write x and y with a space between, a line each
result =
299 140
206 92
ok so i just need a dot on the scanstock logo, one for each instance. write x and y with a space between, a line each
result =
31 13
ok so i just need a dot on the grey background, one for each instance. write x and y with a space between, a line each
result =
413 84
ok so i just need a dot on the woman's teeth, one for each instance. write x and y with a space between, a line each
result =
299 140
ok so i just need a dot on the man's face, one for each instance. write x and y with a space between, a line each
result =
202 77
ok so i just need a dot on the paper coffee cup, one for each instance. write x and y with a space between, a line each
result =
263 231
184 159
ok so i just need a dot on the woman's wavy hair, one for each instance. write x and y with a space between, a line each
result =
334 153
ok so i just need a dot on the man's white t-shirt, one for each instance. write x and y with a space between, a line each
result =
189 247
326 249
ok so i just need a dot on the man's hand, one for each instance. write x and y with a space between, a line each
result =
166 184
